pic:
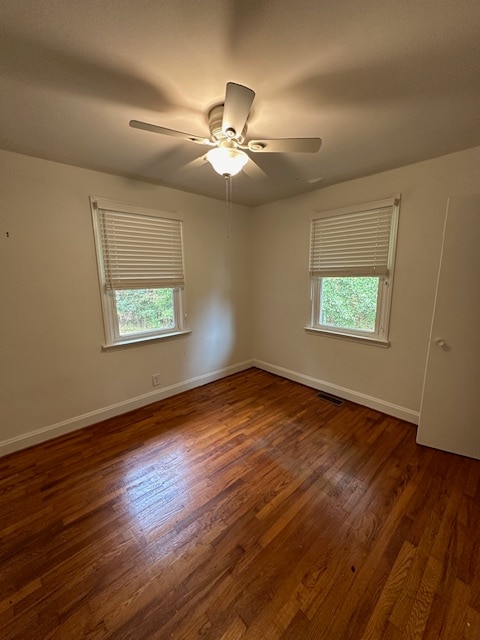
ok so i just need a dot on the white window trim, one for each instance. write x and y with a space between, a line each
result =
110 319
379 337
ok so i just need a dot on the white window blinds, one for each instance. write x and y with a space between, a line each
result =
140 251
353 242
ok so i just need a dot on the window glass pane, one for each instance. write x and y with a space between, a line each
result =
141 310
349 303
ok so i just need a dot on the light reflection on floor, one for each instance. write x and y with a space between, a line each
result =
157 488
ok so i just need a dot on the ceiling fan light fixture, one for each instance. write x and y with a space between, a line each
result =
227 161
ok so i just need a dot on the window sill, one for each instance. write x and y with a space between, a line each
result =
377 342
144 339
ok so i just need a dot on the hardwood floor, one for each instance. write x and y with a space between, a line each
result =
247 509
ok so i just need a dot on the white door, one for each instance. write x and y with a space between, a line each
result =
450 413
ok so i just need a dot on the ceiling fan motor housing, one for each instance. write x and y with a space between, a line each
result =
215 120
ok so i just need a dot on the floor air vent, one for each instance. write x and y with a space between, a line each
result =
333 399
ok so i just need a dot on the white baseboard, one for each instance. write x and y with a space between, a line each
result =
78 422
348 394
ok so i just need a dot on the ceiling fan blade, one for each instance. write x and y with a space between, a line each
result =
285 145
253 170
136 124
238 100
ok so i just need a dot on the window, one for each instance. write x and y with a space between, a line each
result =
140 266
351 270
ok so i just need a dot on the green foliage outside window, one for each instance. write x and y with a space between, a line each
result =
141 310
349 303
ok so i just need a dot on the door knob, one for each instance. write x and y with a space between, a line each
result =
440 342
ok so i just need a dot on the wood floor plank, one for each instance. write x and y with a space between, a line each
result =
418 618
393 587
247 509
235 631
472 625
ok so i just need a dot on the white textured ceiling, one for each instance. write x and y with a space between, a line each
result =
384 83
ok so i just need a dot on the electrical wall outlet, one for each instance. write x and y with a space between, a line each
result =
156 380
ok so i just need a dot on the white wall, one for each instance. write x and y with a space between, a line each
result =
54 375
389 379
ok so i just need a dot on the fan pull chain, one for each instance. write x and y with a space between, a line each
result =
228 202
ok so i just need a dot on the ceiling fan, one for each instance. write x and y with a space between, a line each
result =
228 128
